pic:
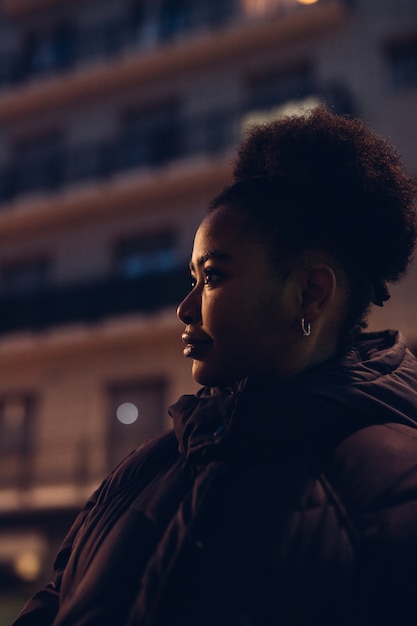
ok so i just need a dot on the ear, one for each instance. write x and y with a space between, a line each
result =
318 290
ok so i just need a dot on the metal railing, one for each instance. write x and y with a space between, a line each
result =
148 145
58 166
92 301
69 46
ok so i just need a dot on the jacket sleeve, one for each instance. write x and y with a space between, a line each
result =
41 609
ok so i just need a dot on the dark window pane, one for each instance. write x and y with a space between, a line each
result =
152 137
45 52
16 428
275 88
402 59
24 276
38 164
175 18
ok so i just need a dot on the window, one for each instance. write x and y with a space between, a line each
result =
136 412
211 133
16 428
146 254
152 21
24 276
152 136
144 23
279 93
105 38
279 87
402 59
175 17
51 50
38 163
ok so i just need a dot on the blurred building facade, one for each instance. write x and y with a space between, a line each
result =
118 122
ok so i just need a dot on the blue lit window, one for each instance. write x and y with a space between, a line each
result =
146 254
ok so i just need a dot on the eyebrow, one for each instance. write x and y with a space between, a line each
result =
211 254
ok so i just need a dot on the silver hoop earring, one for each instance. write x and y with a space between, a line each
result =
305 327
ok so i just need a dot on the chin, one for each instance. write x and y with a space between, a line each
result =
205 376
205 379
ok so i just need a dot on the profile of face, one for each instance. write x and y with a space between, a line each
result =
236 318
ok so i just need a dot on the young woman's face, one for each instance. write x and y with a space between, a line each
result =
235 317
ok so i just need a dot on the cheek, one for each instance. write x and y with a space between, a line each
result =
225 311
235 329
242 319
216 311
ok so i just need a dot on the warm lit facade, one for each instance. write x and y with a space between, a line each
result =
118 121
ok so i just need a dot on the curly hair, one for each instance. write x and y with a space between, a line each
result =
321 181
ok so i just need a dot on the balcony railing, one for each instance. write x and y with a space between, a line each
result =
91 302
150 147
57 167
68 47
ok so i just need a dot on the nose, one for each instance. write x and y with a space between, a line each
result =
189 310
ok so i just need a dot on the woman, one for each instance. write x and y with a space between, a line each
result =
286 493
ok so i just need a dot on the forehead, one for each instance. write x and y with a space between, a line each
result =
223 235
223 226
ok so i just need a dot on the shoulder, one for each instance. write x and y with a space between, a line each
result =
375 466
372 476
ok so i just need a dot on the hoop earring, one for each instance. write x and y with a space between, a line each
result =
305 327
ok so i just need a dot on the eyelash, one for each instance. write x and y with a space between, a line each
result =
209 273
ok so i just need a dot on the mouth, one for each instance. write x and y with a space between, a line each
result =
194 347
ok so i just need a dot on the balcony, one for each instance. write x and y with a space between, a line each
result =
154 143
148 147
66 47
73 66
91 302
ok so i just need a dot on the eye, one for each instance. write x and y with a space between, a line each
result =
211 275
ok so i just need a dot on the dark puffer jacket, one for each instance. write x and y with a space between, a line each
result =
285 505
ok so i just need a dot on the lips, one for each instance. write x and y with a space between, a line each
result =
195 345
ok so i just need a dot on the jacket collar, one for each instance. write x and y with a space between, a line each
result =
265 418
